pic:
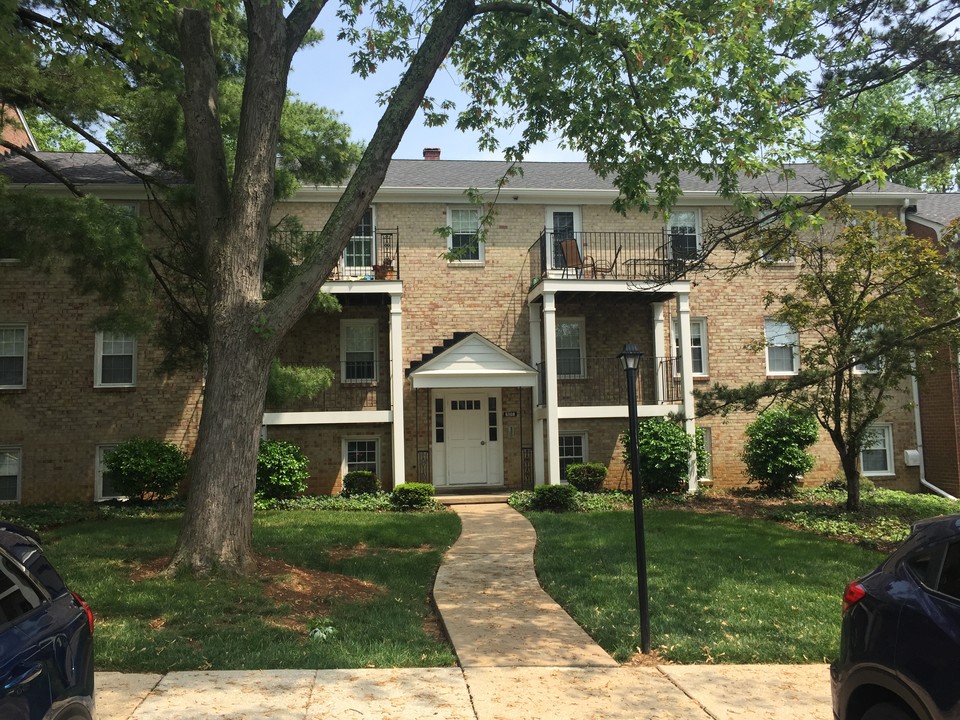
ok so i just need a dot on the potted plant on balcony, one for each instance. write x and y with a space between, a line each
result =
384 271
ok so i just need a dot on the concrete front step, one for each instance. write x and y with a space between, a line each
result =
484 499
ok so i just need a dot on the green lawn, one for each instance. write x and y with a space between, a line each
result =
722 588
159 624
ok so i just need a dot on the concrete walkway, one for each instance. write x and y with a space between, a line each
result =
522 658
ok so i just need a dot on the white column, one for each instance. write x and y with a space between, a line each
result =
550 380
396 389
686 377
659 348
536 357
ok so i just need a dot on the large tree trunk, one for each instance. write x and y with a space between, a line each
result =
216 530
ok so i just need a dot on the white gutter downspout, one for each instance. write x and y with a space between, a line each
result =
916 423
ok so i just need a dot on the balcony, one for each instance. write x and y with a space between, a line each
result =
373 256
370 391
657 257
602 381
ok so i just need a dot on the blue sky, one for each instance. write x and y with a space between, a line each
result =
322 75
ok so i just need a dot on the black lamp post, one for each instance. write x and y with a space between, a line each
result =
630 361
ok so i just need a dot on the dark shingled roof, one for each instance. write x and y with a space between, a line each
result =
939 207
99 169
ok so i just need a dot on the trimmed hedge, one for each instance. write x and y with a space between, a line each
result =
145 467
412 496
558 498
587 477
360 482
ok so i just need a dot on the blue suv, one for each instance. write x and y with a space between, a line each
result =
900 636
46 637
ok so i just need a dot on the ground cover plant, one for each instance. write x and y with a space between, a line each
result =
333 589
722 588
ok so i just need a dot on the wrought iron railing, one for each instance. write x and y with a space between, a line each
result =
373 256
642 256
602 381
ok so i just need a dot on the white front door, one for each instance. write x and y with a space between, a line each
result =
466 439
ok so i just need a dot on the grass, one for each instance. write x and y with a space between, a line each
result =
722 588
157 624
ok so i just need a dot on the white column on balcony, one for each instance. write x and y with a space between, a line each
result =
396 389
686 377
550 381
536 357
659 349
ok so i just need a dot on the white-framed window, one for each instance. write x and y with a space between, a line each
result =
571 359
573 449
13 356
783 348
463 243
359 255
103 488
10 474
875 365
358 351
708 448
698 344
876 458
683 232
361 454
116 360
562 223
781 248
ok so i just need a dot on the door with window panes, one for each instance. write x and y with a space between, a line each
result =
466 432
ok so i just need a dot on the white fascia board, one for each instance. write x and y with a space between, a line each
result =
478 380
932 224
329 418
606 285
363 287
132 191
616 411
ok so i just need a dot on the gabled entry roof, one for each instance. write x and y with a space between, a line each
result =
472 361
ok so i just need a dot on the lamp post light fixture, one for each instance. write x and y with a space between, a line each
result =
630 361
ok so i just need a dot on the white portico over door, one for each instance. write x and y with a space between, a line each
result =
465 379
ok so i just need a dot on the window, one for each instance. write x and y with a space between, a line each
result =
862 337
358 351
18 593
13 356
682 227
9 474
779 242
103 488
573 448
563 223
698 344
876 458
570 358
358 255
783 344
438 419
362 454
463 243
116 363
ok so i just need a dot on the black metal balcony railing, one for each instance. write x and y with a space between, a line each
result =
369 256
602 381
355 387
643 256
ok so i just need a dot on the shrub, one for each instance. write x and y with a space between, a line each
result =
586 477
144 467
775 453
412 496
281 470
360 482
289 383
664 455
558 498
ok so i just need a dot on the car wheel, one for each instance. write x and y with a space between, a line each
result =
886 711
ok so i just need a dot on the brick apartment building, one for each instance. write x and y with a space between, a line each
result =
492 370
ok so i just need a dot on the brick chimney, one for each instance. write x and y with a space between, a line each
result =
431 153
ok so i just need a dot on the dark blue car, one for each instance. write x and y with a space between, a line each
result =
46 637
900 638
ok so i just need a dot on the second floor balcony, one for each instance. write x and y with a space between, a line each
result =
658 257
601 381
373 254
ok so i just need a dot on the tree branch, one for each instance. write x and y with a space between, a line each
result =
45 166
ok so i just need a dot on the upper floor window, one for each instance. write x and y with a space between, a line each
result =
570 348
116 360
698 344
9 474
683 229
13 356
876 458
783 348
358 351
359 253
463 243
